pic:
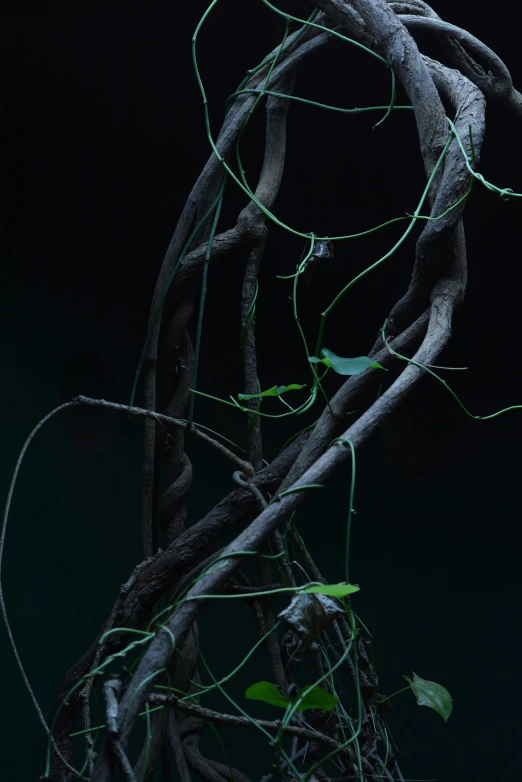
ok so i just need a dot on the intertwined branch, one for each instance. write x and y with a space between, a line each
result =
182 573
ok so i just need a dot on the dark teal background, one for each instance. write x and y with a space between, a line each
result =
104 140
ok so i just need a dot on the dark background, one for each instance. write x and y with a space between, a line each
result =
104 139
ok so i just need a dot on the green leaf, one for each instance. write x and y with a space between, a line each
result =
431 694
274 391
345 366
316 699
267 692
335 590
315 360
291 387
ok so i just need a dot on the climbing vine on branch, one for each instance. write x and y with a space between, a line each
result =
147 666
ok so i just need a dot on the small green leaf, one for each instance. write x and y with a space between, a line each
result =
274 391
335 590
267 692
315 360
346 366
291 387
316 699
431 694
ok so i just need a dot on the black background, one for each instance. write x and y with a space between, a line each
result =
104 139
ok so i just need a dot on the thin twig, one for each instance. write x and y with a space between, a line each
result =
179 423
231 719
